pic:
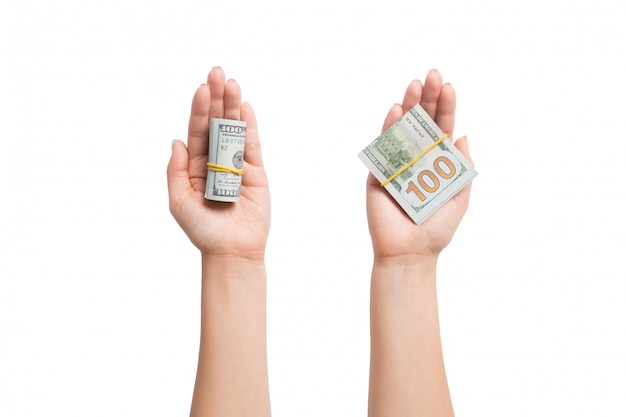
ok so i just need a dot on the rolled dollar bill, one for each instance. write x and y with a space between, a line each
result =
225 166
417 165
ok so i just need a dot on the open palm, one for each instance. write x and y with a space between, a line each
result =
230 229
394 234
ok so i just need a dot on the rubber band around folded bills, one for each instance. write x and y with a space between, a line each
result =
219 168
414 160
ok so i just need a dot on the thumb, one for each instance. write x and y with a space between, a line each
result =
177 170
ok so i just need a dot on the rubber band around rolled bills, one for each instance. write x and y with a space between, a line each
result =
219 168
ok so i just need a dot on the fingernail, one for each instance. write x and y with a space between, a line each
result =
466 142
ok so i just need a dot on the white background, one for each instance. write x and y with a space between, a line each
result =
99 288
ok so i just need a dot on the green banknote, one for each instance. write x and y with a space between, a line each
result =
226 143
426 184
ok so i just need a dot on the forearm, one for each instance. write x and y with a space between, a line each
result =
232 375
407 374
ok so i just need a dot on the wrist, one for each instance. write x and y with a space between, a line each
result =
405 269
232 254
230 267
406 262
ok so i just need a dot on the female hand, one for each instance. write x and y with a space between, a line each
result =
395 236
237 229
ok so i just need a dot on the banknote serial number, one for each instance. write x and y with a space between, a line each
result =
232 140
429 182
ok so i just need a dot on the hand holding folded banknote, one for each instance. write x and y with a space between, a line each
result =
416 212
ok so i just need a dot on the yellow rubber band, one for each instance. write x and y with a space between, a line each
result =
219 168
414 160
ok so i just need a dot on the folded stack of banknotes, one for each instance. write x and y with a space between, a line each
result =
417 164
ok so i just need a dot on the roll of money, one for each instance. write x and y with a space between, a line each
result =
225 166
415 162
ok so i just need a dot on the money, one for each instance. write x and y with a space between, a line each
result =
425 185
226 143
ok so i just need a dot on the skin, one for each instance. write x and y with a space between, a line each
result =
407 373
210 224
409 242
232 378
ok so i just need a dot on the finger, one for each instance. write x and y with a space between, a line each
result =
430 95
198 133
412 96
463 196
252 150
463 146
446 109
394 114
232 100
216 83
177 173
371 180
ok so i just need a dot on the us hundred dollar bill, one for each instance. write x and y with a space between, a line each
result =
226 142
432 180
